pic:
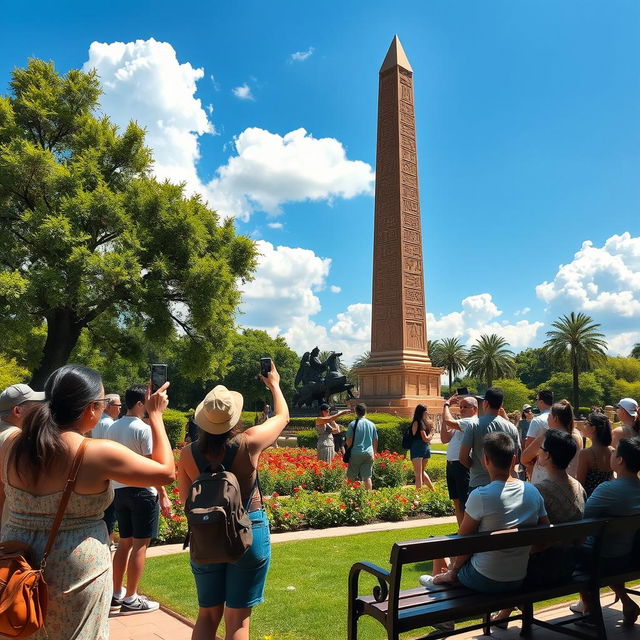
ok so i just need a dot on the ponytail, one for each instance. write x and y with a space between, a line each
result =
563 411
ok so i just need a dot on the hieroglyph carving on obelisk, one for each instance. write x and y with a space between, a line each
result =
398 328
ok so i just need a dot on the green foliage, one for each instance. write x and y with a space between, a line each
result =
11 372
490 358
635 352
451 354
606 379
516 393
625 368
562 386
247 348
624 389
533 367
577 338
100 236
175 424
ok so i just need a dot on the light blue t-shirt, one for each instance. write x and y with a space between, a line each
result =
619 497
503 505
366 433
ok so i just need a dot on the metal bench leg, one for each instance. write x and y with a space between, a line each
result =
352 624
595 611
527 618
486 624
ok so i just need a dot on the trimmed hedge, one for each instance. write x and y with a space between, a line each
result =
175 424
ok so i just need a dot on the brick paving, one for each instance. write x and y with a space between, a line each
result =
157 625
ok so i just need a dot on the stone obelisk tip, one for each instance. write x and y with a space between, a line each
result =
396 57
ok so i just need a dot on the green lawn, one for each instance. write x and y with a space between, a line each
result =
306 593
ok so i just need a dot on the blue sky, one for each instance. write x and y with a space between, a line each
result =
528 137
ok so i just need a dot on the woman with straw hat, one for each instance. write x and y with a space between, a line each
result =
232 589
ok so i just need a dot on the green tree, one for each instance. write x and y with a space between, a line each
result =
248 347
561 384
489 358
624 368
11 372
533 367
625 389
607 380
450 354
577 337
85 231
635 352
516 393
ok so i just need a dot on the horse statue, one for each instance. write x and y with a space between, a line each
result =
335 381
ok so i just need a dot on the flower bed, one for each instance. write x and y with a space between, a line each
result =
303 492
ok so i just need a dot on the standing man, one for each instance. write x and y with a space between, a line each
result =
111 413
136 509
14 402
472 446
539 424
363 435
452 432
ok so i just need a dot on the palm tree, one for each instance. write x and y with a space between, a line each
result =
450 354
489 358
576 336
432 349
635 352
362 360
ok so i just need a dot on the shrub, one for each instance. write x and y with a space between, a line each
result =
175 424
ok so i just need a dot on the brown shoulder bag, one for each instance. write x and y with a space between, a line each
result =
23 590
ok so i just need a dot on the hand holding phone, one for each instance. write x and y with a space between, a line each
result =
158 376
462 391
265 367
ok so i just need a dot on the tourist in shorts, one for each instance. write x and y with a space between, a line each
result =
422 432
363 436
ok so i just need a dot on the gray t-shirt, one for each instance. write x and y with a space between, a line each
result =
504 505
134 434
474 437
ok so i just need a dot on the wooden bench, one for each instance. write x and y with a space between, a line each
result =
400 610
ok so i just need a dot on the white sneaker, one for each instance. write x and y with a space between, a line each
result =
140 604
577 607
426 580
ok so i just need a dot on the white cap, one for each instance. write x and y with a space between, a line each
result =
630 406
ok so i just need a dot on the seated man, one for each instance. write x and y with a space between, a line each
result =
504 503
619 497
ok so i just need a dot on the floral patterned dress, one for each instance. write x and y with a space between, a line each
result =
78 571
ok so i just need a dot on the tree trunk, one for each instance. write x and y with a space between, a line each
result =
450 380
576 389
63 331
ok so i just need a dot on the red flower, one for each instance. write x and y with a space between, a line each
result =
343 506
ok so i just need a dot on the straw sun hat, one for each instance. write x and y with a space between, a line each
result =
220 410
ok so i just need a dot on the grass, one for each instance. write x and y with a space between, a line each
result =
316 607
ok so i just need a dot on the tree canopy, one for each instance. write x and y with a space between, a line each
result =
86 232
451 354
490 358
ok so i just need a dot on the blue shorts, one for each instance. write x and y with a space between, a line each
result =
471 578
240 584
419 449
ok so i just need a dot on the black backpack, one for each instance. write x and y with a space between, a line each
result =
219 525
407 437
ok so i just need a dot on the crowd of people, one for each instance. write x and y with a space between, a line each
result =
498 475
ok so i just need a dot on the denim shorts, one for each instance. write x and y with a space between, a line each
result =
419 449
240 584
471 578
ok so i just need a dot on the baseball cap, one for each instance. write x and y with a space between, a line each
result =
18 394
630 406
220 410
526 406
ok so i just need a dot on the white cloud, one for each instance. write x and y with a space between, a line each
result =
143 81
243 92
301 56
335 288
275 225
478 317
522 312
270 170
603 282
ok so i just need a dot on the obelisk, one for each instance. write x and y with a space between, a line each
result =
399 374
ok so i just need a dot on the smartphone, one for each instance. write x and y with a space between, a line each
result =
158 376
265 367
462 391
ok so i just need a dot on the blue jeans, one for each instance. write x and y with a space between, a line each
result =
471 578
238 584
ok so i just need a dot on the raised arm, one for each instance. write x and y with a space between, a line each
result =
264 435
323 420
113 461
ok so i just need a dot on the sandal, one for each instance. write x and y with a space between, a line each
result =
631 614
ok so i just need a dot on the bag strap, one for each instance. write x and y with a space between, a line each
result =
64 501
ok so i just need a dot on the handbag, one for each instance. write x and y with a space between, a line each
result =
23 589
346 456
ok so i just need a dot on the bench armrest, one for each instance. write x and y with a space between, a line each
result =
381 591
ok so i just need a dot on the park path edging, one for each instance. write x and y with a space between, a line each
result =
313 534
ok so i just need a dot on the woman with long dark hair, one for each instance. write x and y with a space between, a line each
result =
629 417
594 462
35 465
421 433
232 589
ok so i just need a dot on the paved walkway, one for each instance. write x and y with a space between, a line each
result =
157 625
313 534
